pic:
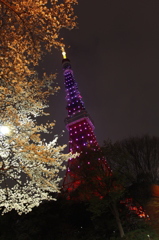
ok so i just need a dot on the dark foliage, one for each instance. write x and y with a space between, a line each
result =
92 218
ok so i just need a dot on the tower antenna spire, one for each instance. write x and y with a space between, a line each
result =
63 52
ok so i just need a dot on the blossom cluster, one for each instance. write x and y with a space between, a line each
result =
29 166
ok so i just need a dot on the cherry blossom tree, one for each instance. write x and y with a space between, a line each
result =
29 28
29 165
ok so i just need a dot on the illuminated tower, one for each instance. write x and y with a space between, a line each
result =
80 127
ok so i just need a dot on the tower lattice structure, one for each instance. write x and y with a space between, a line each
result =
82 140
81 130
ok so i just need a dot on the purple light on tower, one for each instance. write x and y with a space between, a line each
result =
80 127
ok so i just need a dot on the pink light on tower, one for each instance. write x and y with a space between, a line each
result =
80 126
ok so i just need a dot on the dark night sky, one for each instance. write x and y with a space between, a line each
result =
115 59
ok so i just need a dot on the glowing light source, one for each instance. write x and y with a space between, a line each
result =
63 53
4 130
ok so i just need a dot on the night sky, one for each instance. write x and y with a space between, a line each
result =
115 58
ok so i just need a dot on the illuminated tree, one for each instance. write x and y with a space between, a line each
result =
27 29
29 166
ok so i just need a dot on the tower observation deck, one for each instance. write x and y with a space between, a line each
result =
81 130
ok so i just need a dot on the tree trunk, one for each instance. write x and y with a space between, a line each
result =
118 221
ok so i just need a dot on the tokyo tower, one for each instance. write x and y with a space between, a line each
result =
81 130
